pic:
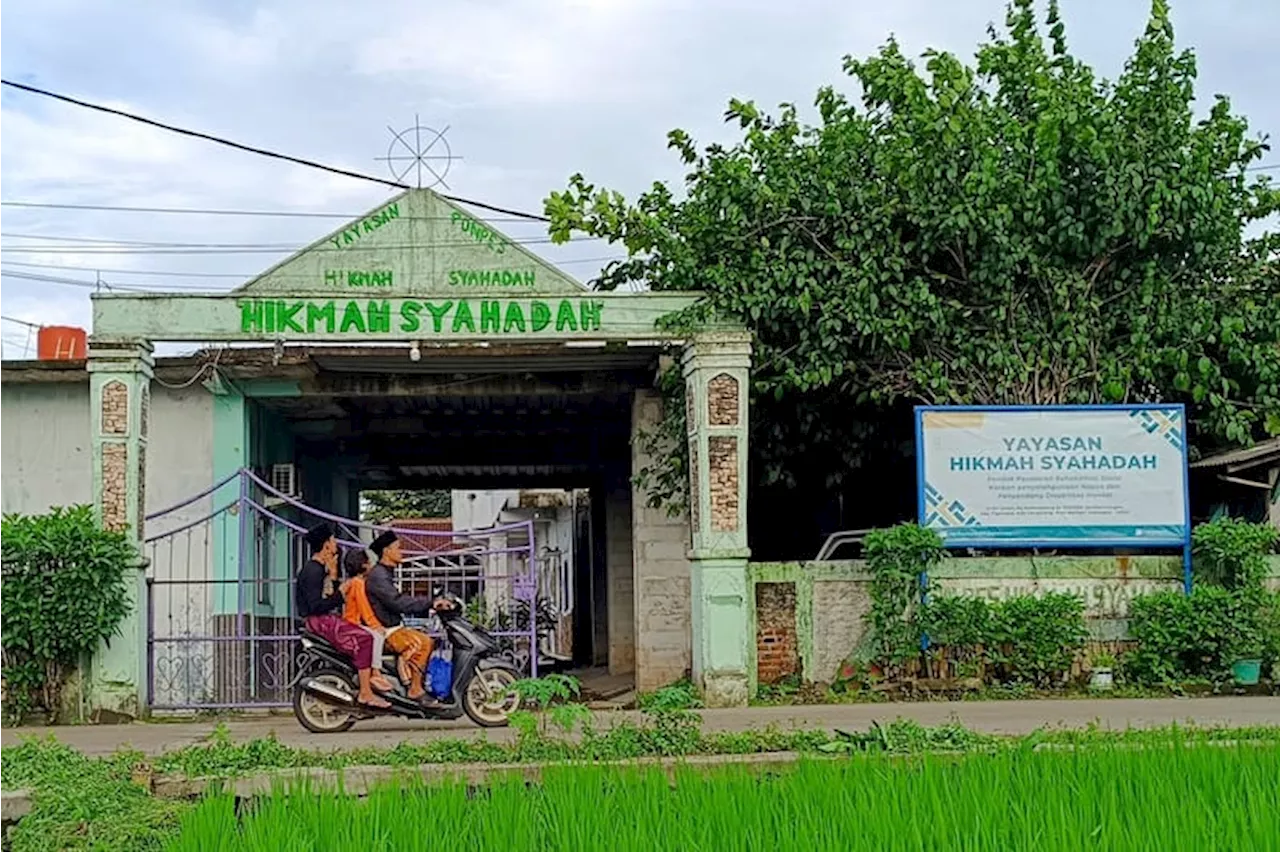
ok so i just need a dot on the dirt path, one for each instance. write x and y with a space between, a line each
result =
1004 717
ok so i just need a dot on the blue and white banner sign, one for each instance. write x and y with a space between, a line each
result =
1064 476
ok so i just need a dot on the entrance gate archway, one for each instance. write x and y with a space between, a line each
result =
427 342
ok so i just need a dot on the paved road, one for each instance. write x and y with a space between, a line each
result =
1003 717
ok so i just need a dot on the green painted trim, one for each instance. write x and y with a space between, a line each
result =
269 388
1060 568
993 567
230 453
169 317
792 572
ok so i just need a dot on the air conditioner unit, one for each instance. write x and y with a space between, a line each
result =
284 478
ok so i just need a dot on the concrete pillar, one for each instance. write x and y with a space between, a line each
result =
119 394
716 372
660 550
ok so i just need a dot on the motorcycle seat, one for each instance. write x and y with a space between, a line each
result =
316 638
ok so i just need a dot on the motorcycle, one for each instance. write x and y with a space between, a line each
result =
324 691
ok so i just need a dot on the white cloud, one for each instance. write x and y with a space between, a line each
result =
534 91
538 52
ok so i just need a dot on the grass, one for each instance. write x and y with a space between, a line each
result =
792 692
671 734
82 803
86 803
1104 797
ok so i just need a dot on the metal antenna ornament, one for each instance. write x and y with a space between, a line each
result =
415 149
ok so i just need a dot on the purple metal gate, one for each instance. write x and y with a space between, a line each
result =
221 632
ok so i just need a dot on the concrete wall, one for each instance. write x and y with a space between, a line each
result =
179 465
663 646
46 448
46 463
46 455
832 599
478 510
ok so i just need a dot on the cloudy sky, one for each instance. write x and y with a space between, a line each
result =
530 91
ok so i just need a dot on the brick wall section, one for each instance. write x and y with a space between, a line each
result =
115 409
660 543
722 461
115 514
777 647
722 400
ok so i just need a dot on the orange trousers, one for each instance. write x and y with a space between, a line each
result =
413 647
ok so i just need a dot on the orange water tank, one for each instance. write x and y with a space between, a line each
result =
61 343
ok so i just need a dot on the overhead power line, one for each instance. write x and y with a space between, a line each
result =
21 322
264 152
241 276
291 246
205 211
57 279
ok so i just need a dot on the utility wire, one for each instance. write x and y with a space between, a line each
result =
55 279
102 242
246 276
204 211
21 322
195 134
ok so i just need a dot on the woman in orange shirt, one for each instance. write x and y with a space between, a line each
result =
357 611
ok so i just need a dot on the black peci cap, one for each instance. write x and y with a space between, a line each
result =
383 541
318 535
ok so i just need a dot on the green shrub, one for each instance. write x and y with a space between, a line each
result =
1229 615
680 695
1027 638
1194 636
1037 638
64 592
958 628
897 558
1232 553
959 621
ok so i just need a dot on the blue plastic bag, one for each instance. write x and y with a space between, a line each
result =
440 674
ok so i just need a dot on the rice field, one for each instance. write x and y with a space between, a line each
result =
1179 797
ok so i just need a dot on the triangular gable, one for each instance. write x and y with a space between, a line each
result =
416 244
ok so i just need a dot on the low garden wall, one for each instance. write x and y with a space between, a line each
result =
808 617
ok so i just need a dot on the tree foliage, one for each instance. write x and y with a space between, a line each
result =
1016 230
64 592
380 507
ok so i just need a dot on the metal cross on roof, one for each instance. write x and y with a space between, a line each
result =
411 150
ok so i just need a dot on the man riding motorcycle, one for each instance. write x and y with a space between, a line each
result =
319 613
389 605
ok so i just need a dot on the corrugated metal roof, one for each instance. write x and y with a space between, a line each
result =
1262 452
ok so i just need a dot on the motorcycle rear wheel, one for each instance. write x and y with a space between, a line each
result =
320 717
488 699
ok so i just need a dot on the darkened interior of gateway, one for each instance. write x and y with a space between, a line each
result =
353 420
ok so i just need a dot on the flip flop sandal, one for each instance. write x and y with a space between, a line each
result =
373 708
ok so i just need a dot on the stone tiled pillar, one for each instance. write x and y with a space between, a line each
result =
716 372
119 394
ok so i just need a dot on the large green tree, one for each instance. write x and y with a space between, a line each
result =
1016 230
380 507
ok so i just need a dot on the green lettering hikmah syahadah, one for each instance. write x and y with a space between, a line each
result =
410 316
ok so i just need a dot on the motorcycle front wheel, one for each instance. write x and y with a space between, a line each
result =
488 698
318 716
